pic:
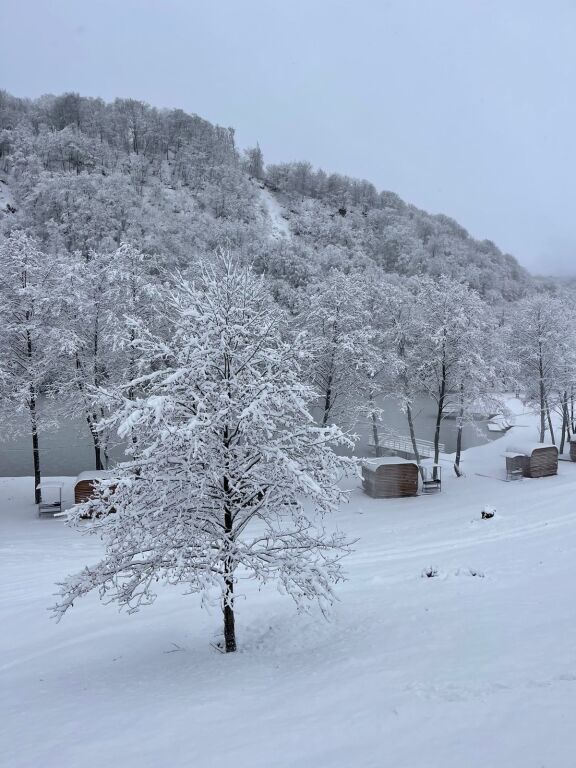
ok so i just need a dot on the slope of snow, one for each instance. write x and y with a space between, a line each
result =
472 668
279 226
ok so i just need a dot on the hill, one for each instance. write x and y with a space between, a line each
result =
82 174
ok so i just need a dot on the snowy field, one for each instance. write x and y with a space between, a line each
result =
475 668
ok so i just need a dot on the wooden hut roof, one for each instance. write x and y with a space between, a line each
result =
94 474
527 449
373 464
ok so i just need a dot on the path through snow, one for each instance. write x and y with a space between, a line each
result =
279 227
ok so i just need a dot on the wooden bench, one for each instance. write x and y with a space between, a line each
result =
50 508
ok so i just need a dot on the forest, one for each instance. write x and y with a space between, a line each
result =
107 207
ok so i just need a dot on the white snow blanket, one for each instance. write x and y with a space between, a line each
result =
453 645
279 227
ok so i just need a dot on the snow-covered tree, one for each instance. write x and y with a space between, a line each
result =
254 162
542 341
455 347
229 477
87 343
481 368
135 297
397 317
338 320
29 306
106 294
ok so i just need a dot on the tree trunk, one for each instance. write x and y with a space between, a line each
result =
565 423
375 435
228 596
459 434
458 451
96 440
33 421
549 419
542 397
327 401
35 445
439 414
229 625
98 456
413 438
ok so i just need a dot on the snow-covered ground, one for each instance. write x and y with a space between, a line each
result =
279 227
475 668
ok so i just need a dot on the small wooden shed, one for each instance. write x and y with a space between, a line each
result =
86 483
539 459
573 449
390 477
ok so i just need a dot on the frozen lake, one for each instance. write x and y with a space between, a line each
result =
68 449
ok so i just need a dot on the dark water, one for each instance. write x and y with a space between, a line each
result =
424 416
67 449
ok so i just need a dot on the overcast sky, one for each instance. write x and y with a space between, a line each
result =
465 107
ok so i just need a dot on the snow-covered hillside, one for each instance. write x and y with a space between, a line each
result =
190 191
6 199
474 667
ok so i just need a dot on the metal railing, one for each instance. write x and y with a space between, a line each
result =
404 443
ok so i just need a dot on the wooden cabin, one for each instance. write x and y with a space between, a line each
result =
390 477
539 459
86 484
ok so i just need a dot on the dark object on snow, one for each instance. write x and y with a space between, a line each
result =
487 514
390 478
342 211
538 460
573 450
